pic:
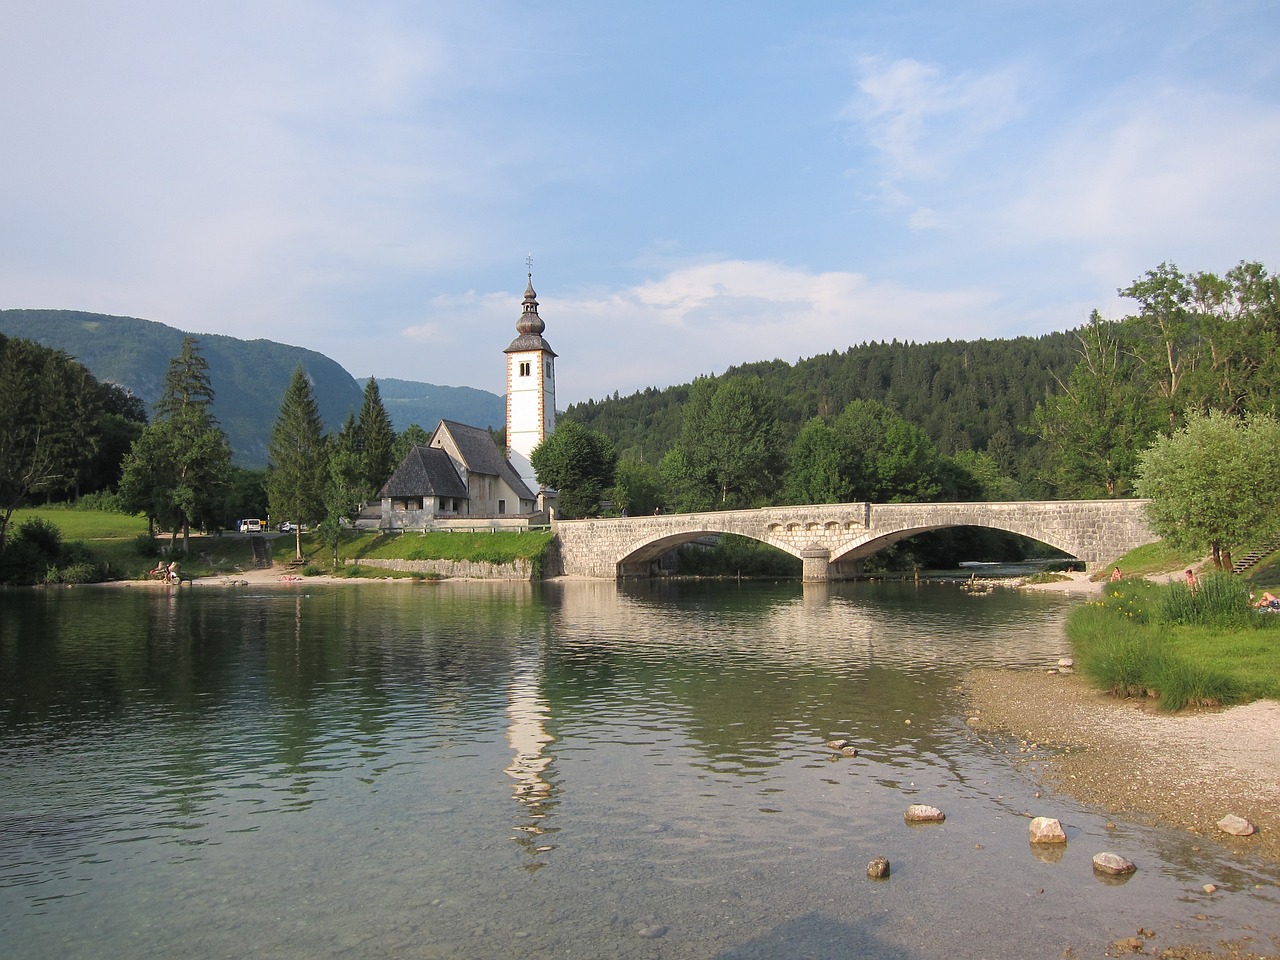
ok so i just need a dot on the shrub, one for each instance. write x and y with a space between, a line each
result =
102 500
311 570
145 545
42 534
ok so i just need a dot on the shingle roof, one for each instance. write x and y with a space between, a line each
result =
425 472
481 455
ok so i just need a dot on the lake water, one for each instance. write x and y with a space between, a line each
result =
474 770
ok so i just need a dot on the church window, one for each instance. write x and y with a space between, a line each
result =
524 368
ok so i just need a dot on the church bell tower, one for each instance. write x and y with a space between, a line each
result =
531 389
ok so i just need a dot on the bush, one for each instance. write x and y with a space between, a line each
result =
101 500
311 570
145 545
42 534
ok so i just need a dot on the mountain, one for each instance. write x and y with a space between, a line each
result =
426 404
248 376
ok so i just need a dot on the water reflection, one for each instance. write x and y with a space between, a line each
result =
527 714
356 759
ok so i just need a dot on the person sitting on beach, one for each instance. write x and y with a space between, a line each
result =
1115 575
171 572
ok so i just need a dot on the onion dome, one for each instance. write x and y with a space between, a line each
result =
529 326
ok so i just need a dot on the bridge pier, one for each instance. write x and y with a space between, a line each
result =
816 564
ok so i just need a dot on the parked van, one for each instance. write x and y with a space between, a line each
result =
250 526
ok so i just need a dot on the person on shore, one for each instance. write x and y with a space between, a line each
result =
1116 575
1269 601
171 572
1192 583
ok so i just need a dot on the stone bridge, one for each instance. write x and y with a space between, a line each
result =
833 540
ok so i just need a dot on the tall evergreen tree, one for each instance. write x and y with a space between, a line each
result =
179 467
344 489
298 464
376 440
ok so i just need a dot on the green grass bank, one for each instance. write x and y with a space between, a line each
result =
1180 647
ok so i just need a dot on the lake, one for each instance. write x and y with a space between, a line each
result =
564 769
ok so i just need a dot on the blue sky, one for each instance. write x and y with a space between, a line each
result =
699 184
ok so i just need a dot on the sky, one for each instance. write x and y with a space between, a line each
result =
699 185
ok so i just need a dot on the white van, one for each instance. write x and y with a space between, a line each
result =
250 526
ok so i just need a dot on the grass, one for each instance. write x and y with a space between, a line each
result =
85 524
1159 640
1151 559
120 541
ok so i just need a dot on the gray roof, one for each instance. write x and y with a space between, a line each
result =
529 341
481 455
425 472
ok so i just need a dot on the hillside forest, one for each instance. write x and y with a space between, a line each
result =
1062 416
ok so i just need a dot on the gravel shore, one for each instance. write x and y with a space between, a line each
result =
1188 770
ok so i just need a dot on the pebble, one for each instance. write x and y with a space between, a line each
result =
1210 888
878 868
651 933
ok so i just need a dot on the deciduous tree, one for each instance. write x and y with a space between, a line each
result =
47 407
1215 483
579 464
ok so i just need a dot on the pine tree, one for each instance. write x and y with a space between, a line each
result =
178 469
298 466
376 440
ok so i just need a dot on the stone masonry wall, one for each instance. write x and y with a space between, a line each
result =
460 569
1095 531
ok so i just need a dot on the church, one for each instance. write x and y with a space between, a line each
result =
461 477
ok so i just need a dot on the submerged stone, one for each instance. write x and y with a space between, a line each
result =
1113 864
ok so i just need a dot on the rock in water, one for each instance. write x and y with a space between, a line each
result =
1236 826
878 868
1113 864
1047 830
922 813
837 744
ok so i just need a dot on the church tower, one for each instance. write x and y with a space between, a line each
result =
531 389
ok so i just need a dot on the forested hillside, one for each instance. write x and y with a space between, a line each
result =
966 395
426 404
249 377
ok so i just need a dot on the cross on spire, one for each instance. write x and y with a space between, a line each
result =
528 262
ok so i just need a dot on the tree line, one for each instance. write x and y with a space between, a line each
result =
1080 414
1083 414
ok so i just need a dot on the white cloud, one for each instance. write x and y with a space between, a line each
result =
1177 176
921 121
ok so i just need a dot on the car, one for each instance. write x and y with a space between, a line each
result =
250 526
289 527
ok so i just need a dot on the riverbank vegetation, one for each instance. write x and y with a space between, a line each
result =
1180 646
